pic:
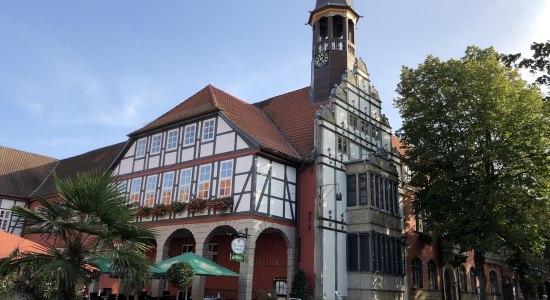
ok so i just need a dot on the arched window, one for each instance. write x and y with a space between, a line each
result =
462 278
473 281
493 280
338 27
351 31
432 275
323 29
417 273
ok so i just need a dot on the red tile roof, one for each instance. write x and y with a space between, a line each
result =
247 117
294 115
12 160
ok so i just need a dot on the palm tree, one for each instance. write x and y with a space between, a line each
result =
89 219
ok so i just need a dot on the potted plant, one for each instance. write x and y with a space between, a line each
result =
180 275
196 206
159 210
143 211
177 207
220 205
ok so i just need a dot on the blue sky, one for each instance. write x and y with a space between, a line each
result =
80 75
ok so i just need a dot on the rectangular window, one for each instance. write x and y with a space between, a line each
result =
212 253
387 194
140 149
185 185
381 192
167 187
364 252
208 130
155 144
343 145
135 190
363 179
395 194
226 175
352 121
150 190
122 186
352 252
351 187
172 141
189 136
204 181
4 219
372 188
186 248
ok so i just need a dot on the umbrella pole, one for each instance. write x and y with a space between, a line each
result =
185 293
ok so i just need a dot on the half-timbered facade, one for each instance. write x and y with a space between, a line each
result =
310 178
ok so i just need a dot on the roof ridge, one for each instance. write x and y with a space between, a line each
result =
213 95
259 103
45 179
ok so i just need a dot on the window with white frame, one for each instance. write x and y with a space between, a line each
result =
186 248
140 150
226 175
122 186
185 185
4 219
208 130
155 144
135 190
150 190
172 140
189 135
167 186
212 253
204 181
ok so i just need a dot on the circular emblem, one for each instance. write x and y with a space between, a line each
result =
237 245
321 59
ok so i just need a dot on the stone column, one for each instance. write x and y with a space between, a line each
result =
158 285
197 291
246 270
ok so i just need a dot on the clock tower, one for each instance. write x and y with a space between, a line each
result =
333 52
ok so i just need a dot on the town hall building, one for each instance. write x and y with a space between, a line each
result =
309 178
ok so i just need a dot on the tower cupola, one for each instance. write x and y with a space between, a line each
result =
333 48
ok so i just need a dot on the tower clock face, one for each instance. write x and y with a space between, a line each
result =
321 59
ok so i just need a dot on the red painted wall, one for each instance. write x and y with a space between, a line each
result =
270 261
306 221
224 249
175 245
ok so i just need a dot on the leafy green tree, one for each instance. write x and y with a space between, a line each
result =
89 219
539 64
181 275
300 286
478 146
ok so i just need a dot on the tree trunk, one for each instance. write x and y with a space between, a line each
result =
479 262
